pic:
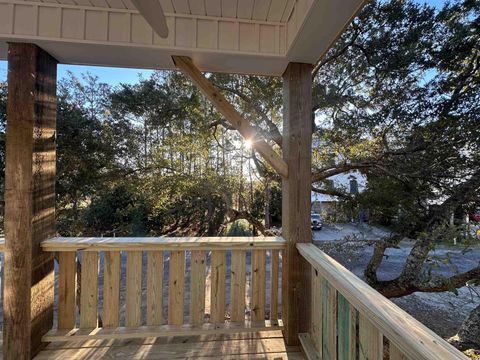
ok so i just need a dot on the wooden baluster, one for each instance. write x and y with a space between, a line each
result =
258 284
176 281
111 289
371 340
66 289
217 296
346 329
353 332
133 298
89 290
396 353
317 311
197 287
238 280
329 313
154 288
274 285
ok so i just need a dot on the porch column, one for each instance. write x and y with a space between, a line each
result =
29 199
296 202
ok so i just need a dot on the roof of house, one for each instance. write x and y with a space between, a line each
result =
232 36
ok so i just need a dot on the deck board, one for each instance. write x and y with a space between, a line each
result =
261 345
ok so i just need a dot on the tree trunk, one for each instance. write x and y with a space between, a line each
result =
268 219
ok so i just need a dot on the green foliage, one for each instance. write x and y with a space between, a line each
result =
238 228
399 94
119 211
193 206
140 159
258 206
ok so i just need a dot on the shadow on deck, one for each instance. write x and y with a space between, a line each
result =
268 345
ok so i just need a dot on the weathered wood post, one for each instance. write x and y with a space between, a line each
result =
29 199
296 201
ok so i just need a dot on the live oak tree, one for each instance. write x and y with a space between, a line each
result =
397 98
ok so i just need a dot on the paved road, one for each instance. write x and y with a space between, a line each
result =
358 231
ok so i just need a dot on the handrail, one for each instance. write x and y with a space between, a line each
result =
410 336
162 243
148 270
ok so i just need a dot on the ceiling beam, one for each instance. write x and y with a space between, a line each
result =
233 116
153 13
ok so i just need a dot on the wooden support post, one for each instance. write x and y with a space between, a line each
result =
29 199
296 202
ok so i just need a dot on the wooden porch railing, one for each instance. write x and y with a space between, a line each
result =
350 319
165 272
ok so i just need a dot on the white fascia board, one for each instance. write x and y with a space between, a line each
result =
324 22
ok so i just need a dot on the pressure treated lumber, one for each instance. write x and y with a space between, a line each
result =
316 326
274 285
67 271
154 288
395 353
308 347
233 116
176 282
89 291
329 324
296 201
370 340
111 288
161 331
238 282
265 345
258 284
410 336
217 295
162 243
29 199
133 298
197 287
346 329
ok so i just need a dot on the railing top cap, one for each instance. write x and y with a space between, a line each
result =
412 337
161 243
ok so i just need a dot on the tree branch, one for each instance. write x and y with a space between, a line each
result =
235 215
396 288
273 132
325 173
331 192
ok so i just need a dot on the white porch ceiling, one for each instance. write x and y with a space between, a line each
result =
234 36
262 10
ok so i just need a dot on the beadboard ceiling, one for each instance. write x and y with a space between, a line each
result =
258 37
262 10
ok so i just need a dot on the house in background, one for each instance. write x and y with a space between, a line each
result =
331 207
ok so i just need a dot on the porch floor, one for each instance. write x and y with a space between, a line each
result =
268 345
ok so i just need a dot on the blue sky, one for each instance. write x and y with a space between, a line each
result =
114 76
109 75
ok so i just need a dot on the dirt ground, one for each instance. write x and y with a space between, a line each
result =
442 312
